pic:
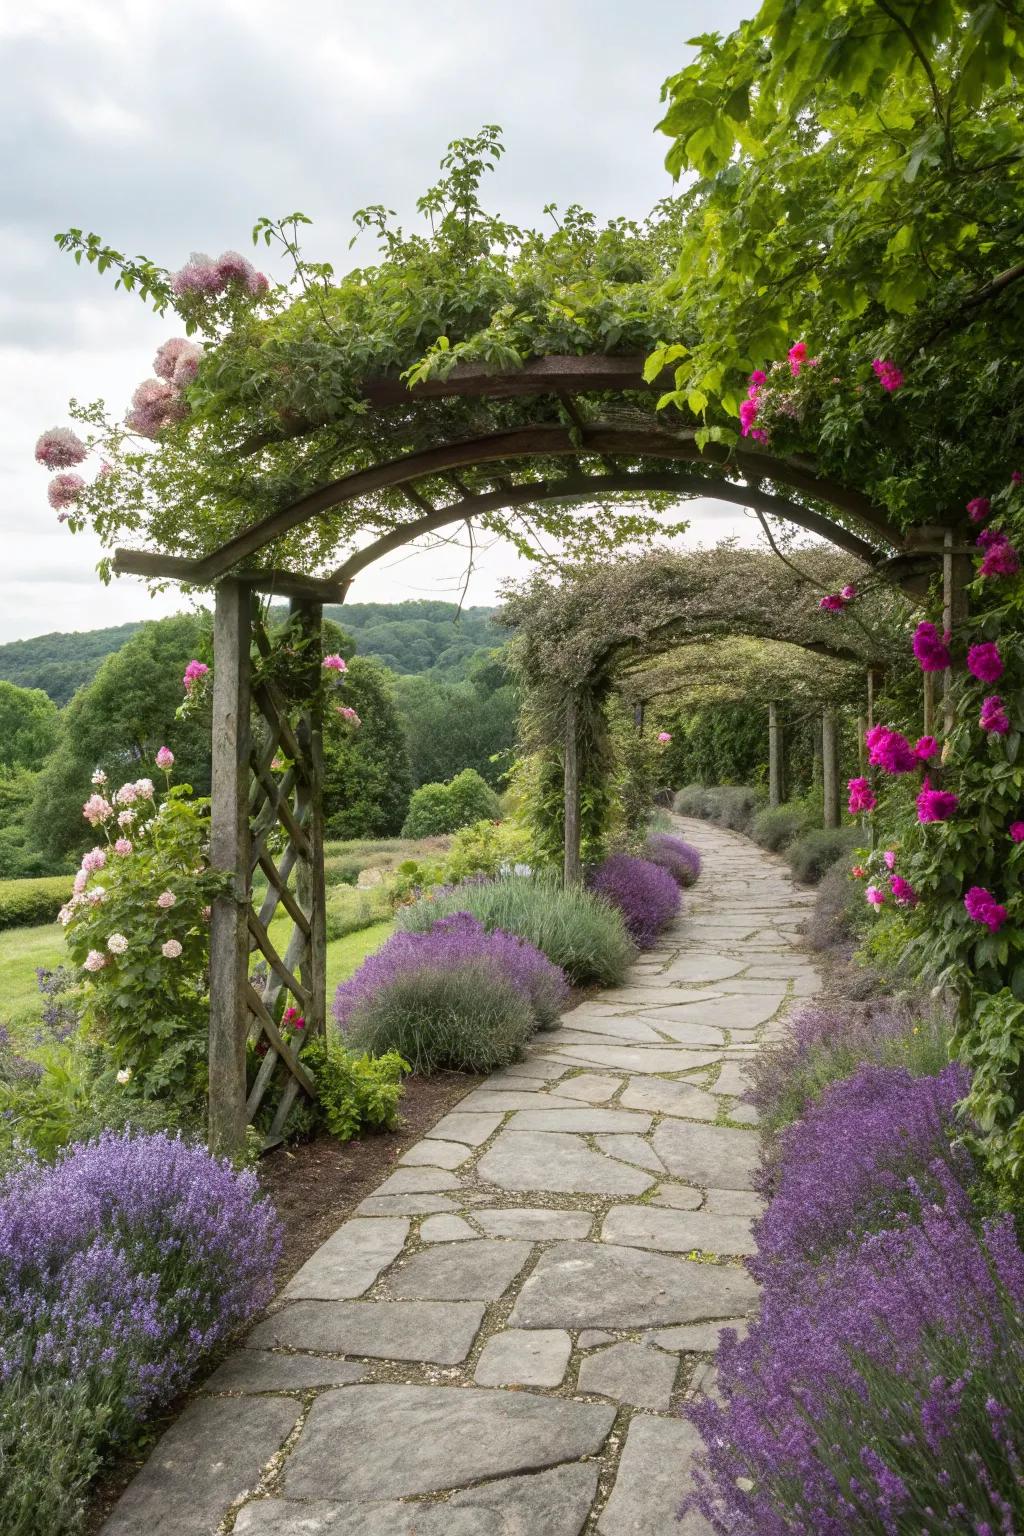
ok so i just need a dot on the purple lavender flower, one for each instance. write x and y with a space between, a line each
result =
645 893
680 858
456 941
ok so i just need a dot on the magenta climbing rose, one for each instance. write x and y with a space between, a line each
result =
984 662
862 797
875 896
936 804
903 892
927 748
993 718
887 374
193 672
832 602
979 509
889 750
982 907
931 650
334 663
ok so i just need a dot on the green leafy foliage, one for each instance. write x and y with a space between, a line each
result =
469 1019
26 902
355 1093
815 852
51 1446
439 808
28 726
367 781
450 726
486 848
777 826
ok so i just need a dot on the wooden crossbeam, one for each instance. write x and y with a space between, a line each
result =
277 883
280 1047
266 945
278 583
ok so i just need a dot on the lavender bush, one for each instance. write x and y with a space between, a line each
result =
451 943
680 858
844 1168
467 1018
645 893
824 1044
883 1394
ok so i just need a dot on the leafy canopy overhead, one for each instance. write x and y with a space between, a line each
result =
860 186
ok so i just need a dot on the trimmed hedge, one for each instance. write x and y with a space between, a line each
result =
26 902
778 826
812 855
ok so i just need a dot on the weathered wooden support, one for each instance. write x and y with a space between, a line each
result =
229 853
830 766
310 887
573 864
776 774
956 573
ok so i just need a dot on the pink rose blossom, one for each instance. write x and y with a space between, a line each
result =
64 490
891 751
166 899
748 415
797 355
171 949
60 448
903 892
1000 558
889 859
193 672
984 662
927 748
993 718
165 758
874 896
936 804
978 509
664 737
1016 830
758 377
349 715
93 860
982 907
931 651
832 603
862 797
97 810
887 374
95 960
334 664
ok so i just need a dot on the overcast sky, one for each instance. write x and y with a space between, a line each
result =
168 129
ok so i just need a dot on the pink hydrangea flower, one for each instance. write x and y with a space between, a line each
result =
165 758
144 788
833 602
931 651
862 797
117 943
349 715
1016 830
93 860
123 846
97 810
993 718
664 737
199 275
797 355
874 896
936 804
887 374
978 509
903 892
334 663
927 748
64 490
982 907
171 949
193 672
166 899
889 859
891 751
60 448
95 960
849 592
156 405
172 355
984 662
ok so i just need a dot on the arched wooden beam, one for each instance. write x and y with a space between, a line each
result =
543 440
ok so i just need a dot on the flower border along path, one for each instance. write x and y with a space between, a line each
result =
500 1338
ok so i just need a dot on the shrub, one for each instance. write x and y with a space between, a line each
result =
451 943
889 1383
121 1265
469 1019
777 826
355 1093
692 800
26 902
816 852
645 893
833 920
822 1045
727 805
439 808
681 859
578 931
487 848
844 1167
350 911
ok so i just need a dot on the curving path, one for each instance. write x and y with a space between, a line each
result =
498 1341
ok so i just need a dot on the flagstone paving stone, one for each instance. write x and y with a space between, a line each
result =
529 1252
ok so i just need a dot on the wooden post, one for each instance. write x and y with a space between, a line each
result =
573 868
309 872
229 852
830 765
639 713
776 786
871 697
956 572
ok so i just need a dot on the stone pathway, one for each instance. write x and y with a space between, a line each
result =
499 1340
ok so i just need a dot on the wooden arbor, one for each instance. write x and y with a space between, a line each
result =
614 446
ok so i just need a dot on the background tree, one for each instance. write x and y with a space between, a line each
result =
28 726
118 723
367 780
451 726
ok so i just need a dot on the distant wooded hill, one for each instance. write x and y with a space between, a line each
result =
411 638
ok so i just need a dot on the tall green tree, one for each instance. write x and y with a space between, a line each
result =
28 726
367 780
118 723
451 726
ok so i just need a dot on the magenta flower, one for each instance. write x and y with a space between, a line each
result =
982 907
874 896
165 758
927 748
758 377
931 651
1000 559
748 415
889 858
64 490
834 602
193 672
891 751
60 448
936 804
993 717
978 509
349 715
862 797
1016 477
887 374
984 662
903 892
797 355
664 737
849 592
1016 830
334 664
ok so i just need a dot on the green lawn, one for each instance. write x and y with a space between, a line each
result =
22 949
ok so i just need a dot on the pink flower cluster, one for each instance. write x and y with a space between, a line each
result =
993 718
798 358
203 276
936 804
60 448
156 405
193 672
334 663
888 375
165 758
931 650
749 408
1000 557
64 491
984 662
890 750
862 797
664 737
835 602
177 361
978 509
982 907
349 715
